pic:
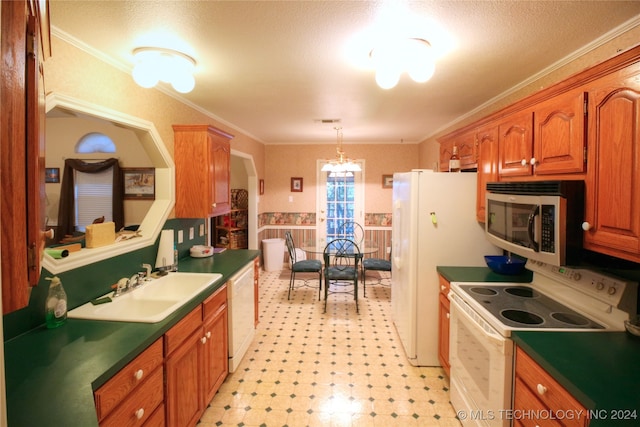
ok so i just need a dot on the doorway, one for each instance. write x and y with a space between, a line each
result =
340 198
243 176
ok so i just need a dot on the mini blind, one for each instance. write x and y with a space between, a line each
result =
93 197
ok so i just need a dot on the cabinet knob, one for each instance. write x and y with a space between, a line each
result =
203 340
208 335
541 389
50 234
139 413
448 315
139 374
586 226
214 204
443 287
533 161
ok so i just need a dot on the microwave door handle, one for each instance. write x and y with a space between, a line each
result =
532 217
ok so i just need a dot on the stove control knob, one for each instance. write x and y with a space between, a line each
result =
577 276
541 389
611 290
599 286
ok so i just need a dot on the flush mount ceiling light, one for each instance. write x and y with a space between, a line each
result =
392 58
155 64
342 166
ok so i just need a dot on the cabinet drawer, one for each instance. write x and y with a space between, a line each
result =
131 376
139 405
182 330
525 402
547 390
157 418
215 302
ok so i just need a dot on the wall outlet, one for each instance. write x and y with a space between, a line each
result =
191 233
180 236
201 230
290 199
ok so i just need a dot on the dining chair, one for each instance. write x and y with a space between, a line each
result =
374 264
351 230
341 258
301 266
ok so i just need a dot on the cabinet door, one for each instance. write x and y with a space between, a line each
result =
467 150
515 144
487 165
446 149
215 355
443 325
221 160
22 153
559 134
256 289
183 383
613 184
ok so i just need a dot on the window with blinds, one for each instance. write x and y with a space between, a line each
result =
93 196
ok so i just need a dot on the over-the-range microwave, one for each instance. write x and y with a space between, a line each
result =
539 220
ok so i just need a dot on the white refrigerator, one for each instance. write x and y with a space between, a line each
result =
434 224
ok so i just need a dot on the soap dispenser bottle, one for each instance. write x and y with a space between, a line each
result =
56 305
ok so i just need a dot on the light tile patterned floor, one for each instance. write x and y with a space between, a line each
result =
307 368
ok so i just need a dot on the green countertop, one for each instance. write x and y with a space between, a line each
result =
600 369
51 374
481 274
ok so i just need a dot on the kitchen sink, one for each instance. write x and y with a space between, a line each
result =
151 302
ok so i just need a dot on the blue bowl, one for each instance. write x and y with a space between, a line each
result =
502 264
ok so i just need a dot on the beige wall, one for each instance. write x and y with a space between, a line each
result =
429 148
286 161
73 72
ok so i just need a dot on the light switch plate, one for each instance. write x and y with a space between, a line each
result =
201 231
180 236
191 233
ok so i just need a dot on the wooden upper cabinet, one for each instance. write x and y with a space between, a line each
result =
559 136
22 150
613 187
467 151
515 144
202 154
446 149
487 137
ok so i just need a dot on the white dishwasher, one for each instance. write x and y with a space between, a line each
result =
241 306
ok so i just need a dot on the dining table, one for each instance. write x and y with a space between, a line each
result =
316 247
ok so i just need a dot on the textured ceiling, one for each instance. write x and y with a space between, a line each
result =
271 68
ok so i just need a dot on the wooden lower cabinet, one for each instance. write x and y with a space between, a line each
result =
443 325
135 395
535 391
196 360
256 288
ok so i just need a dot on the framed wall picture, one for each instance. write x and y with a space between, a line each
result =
52 175
296 185
387 181
261 185
139 183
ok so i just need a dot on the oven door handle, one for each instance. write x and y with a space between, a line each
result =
532 216
480 324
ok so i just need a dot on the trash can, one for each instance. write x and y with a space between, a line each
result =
273 253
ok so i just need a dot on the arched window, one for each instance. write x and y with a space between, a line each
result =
95 142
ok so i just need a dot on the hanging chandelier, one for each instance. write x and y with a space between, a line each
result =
342 166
